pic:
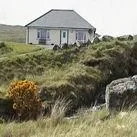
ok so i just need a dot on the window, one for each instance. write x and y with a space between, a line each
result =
81 36
38 34
64 34
43 34
48 35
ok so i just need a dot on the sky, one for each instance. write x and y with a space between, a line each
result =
109 17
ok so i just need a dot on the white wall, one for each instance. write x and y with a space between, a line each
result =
90 36
27 36
55 36
72 36
33 36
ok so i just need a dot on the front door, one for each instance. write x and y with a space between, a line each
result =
64 36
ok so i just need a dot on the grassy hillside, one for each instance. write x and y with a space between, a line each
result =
12 33
78 74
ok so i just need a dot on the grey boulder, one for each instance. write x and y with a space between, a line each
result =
122 94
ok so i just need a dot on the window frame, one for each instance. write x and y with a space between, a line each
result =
40 34
64 34
81 36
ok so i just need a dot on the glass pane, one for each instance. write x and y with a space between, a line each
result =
47 36
38 34
81 36
43 34
64 34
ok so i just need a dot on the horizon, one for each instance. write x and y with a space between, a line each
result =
109 17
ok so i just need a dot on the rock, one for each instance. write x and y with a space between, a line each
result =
6 110
56 47
96 40
122 38
126 38
130 37
88 43
65 46
78 44
122 94
107 38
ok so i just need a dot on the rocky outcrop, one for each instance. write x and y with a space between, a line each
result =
107 38
125 38
122 94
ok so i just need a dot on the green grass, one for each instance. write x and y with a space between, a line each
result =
20 48
89 124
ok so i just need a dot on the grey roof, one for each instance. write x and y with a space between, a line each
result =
60 19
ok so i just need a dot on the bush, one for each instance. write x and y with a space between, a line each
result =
27 103
2 44
4 49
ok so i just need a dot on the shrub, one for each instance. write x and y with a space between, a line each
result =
27 103
2 44
4 49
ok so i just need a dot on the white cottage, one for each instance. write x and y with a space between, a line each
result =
59 27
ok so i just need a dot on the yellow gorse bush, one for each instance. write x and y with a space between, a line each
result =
24 94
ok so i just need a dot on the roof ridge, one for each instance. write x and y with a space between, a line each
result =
62 10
